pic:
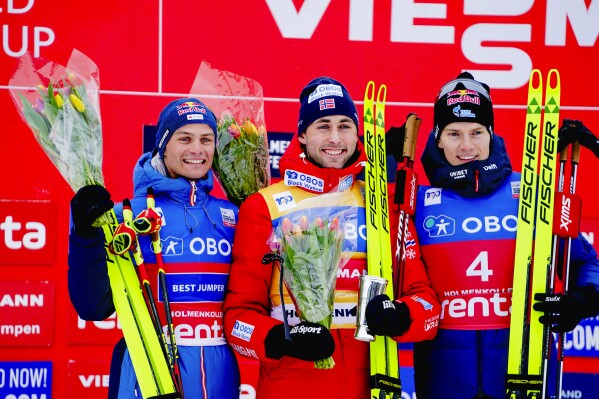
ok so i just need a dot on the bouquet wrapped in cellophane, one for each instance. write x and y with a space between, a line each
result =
241 161
61 107
313 249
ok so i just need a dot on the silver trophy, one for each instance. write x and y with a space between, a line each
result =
370 286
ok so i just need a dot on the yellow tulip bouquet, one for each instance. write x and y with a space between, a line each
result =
61 107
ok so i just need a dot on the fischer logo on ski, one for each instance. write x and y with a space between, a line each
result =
529 339
384 361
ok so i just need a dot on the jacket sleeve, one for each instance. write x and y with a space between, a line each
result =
247 318
89 286
416 291
584 267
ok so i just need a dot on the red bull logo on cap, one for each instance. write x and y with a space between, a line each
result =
190 106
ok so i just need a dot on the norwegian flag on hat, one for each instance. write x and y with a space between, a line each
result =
326 103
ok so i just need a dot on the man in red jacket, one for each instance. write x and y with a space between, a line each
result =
319 170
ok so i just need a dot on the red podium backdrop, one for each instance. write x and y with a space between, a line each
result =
149 52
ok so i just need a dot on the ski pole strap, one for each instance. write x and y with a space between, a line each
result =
123 240
405 190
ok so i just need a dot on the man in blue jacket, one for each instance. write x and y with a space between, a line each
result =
466 223
197 236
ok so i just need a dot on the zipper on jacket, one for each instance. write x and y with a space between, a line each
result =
192 194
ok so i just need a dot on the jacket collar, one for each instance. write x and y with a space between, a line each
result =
474 179
296 170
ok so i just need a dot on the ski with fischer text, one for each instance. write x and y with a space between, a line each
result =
147 353
529 339
384 361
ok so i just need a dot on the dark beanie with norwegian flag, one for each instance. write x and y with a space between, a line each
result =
321 97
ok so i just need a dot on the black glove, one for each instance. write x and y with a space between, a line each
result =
87 205
564 312
573 130
394 139
386 317
309 341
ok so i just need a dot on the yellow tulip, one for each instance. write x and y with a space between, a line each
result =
77 103
249 127
58 100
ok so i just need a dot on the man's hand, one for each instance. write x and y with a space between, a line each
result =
87 205
573 130
387 317
564 312
309 341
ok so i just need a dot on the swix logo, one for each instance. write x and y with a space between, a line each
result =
556 298
565 220
16 236
413 189
439 226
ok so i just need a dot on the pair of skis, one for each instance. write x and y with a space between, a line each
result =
529 343
154 362
384 359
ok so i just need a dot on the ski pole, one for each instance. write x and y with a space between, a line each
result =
573 218
406 186
157 248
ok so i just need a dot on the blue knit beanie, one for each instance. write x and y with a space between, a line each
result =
179 113
321 97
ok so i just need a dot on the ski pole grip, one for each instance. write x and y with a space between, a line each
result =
408 140
575 152
415 138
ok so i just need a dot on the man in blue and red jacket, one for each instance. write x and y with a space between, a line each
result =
466 223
